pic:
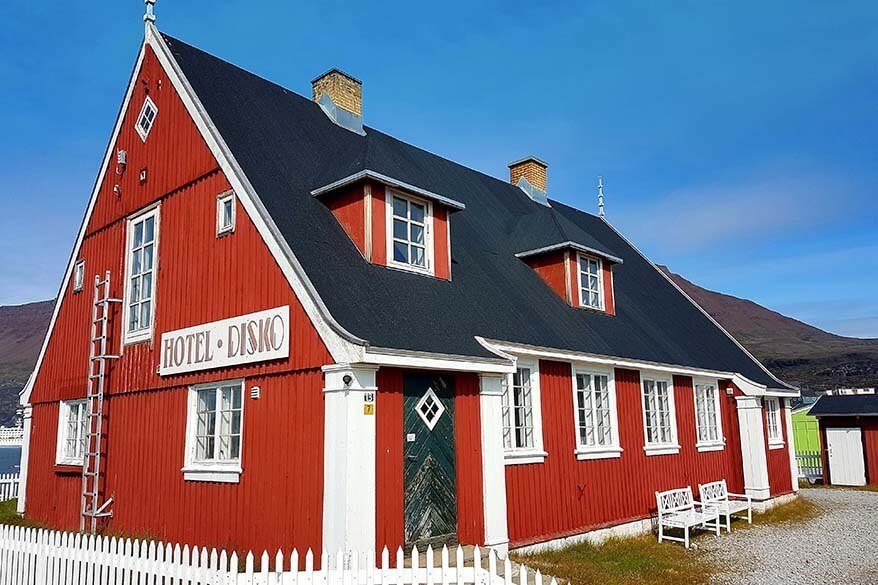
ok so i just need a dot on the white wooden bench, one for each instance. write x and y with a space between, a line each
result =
717 494
678 509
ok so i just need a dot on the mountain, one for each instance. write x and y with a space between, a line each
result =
794 351
22 328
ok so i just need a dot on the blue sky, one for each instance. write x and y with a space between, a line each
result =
738 140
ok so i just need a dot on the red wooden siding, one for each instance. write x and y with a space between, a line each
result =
609 298
379 225
468 446
869 427
278 502
564 496
441 249
780 479
389 504
200 278
551 268
350 211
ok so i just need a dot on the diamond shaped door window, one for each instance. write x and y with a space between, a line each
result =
430 408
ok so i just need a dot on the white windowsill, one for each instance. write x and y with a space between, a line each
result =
776 444
137 337
661 449
212 473
584 454
714 446
69 462
410 268
524 457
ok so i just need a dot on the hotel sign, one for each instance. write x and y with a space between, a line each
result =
256 337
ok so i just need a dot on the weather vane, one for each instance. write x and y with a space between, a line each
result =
600 196
150 15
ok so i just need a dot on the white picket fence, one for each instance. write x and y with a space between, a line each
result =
11 435
30 555
8 486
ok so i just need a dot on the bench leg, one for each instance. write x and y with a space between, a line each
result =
661 532
729 522
750 515
717 524
686 536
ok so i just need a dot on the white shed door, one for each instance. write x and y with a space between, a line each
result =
846 463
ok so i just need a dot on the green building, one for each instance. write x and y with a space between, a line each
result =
806 433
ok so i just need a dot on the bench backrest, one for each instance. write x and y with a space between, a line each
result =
715 491
674 500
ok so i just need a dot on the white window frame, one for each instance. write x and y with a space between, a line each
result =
671 447
526 455
140 131
146 333
217 471
719 443
583 451
64 408
221 200
428 233
79 275
601 294
775 440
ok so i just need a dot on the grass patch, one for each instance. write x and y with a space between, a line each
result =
799 510
639 560
8 515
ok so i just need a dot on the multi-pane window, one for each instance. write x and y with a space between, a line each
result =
594 411
225 214
409 233
218 423
707 422
591 292
657 413
72 432
772 420
140 299
146 118
518 415
78 275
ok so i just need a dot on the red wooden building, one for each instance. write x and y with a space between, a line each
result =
281 327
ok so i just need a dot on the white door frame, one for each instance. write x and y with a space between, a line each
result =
847 464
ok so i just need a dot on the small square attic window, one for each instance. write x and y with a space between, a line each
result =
225 213
146 118
78 275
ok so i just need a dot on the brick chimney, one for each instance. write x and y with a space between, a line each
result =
530 168
346 92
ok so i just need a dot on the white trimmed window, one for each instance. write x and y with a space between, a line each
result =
213 432
772 422
146 119
708 425
594 399
659 418
225 213
72 432
409 238
522 421
141 264
591 282
78 275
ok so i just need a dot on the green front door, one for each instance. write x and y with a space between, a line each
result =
428 446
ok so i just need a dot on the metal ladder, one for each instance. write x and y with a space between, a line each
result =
92 508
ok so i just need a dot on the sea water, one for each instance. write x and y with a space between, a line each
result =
10 457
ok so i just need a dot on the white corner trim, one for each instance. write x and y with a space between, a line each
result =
524 457
583 454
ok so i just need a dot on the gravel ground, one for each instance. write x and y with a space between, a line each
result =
839 546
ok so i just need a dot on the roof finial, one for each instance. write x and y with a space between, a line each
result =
149 17
601 196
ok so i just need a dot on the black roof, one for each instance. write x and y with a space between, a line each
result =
846 405
287 147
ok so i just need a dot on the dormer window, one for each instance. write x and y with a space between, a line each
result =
146 118
591 282
409 245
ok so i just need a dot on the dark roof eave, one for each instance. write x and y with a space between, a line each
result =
572 245
390 182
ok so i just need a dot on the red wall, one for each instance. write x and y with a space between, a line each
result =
563 496
350 211
780 480
200 278
869 428
551 268
389 504
609 299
